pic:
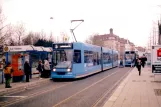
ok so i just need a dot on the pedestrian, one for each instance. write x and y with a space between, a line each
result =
133 62
40 68
46 68
139 66
143 60
8 70
121 63
27 70
136 61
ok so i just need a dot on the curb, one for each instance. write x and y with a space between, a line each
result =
23 86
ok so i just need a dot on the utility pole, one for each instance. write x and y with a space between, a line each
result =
159 33
150 41
153 36
154 32
159 29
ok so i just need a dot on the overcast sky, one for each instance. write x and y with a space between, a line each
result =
132 19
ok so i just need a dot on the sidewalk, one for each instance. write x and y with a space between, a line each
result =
17 86
137 91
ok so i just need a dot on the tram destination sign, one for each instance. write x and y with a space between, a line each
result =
63 46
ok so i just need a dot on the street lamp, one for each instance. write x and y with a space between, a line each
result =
51 18
72 30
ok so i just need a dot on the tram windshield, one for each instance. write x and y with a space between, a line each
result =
129 57
62 58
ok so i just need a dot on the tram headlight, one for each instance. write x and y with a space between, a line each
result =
54 70
69 70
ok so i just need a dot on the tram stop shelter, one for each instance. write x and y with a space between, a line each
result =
17 55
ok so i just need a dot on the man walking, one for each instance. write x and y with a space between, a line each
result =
27 70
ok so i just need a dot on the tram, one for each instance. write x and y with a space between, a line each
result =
76 60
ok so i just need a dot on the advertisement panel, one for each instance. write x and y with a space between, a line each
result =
156 59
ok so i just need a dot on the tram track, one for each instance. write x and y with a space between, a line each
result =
7 103
112 89
72 90
60 104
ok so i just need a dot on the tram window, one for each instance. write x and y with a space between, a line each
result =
126 52
77 56
132 52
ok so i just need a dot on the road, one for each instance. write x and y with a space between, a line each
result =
91 91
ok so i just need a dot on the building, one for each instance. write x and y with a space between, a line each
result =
141 49
113 41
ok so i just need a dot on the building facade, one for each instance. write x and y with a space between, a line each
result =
113 41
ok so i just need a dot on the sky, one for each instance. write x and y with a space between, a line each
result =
130 19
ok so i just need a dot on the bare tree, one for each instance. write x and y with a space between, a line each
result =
5 29
20 32
36 37
27 40
64 37
51 38
43 35
31 38
12 42
94 39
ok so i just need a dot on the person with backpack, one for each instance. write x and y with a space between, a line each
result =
8 70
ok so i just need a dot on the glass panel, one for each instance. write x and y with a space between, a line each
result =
129 57
77 56
132 52
107 58
91 58
62 58
126 52
35 60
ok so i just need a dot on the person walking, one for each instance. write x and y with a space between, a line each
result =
27 70
121 63
133 62
46 68
40 68
8 70
139 66
143 60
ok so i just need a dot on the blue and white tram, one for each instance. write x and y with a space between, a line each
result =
76 60
129 58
